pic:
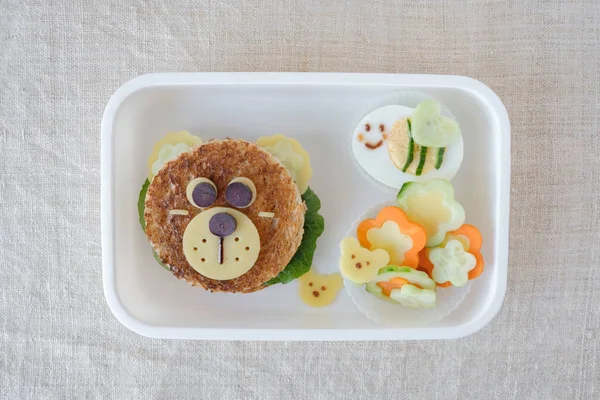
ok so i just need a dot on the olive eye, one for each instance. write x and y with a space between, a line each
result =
201 192
240 192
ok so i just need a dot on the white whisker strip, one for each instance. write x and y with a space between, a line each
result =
266 214
179 212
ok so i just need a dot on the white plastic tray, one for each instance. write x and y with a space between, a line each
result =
320 110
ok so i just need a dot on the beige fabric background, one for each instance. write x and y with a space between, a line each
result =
60 62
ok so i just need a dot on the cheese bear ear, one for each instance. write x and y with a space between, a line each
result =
201 192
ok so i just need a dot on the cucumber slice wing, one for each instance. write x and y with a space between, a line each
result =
430 128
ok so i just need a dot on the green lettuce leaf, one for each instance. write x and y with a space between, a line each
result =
314 225
141 207
142 204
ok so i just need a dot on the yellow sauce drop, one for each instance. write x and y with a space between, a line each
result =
428 210
319 290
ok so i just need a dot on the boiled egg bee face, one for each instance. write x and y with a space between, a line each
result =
383 147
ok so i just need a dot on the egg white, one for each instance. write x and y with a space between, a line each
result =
377 162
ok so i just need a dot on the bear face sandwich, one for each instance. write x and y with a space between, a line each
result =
228 215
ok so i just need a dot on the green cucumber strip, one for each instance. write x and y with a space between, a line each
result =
421 161
411 149
440 157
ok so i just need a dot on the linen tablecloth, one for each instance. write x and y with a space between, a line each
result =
61 60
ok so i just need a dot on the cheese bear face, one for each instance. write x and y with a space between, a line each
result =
358 264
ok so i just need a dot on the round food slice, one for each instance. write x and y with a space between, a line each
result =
432 129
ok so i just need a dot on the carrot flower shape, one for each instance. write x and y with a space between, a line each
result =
470 237
393 232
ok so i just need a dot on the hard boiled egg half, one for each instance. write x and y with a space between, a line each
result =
383 145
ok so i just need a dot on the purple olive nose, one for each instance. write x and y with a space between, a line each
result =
222 224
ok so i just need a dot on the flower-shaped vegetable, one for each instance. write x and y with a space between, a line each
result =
432 205
291 154
319 290
470 237
451 263
358 264
166 153
430 128
405 286
172 143
393 232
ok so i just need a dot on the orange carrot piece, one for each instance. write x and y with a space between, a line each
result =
407 227
394 283
475 242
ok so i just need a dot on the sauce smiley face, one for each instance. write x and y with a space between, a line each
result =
370 143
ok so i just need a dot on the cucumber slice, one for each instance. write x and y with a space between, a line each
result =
411 275
432 205
413 297
411 148
452 263
440 157
404 189
376 291
430 128
422 159
409 295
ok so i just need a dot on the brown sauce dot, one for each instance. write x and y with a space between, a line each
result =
368 263
202 259
316 294
237 239
195 249
381 127
203 240
310 284
237 259
247 248
323 288
367 127
374 146
358 265
353 256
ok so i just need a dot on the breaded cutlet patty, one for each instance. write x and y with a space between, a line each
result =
221 161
